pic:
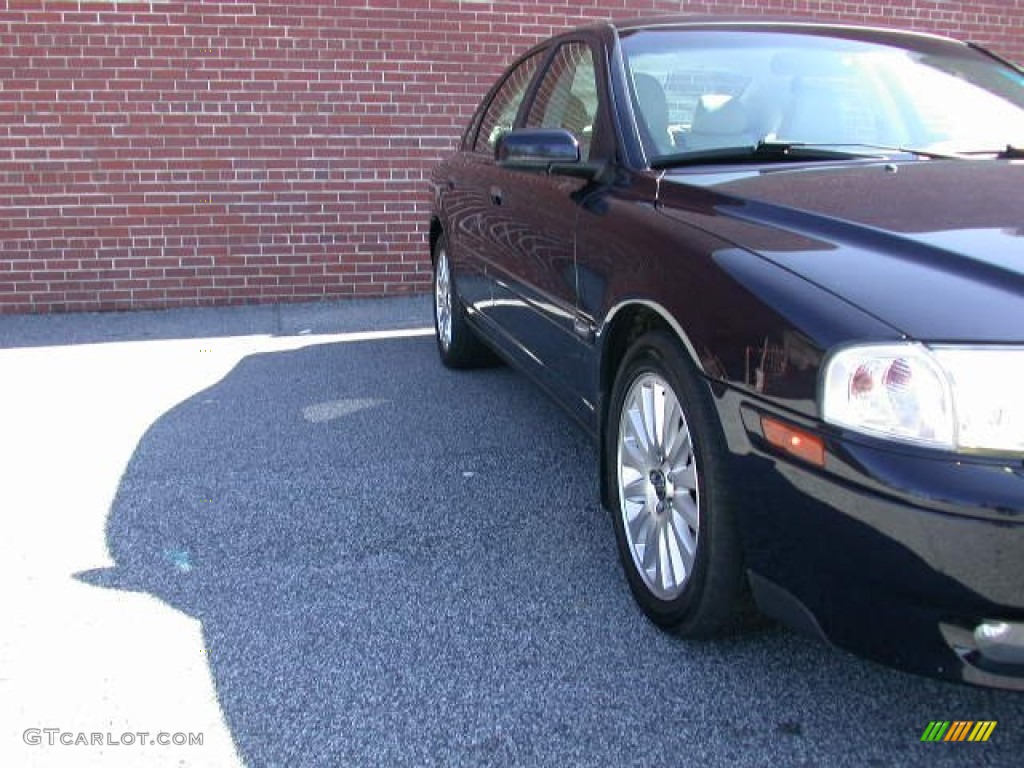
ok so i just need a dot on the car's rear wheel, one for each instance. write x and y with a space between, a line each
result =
672 510
457 344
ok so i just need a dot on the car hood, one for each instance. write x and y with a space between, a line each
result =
935 249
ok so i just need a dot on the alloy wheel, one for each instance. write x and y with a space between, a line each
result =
443 299
659 498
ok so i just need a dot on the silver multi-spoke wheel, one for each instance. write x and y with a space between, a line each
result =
667 472
443 299
659 498
456 340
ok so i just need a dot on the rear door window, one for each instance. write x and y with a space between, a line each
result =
567 95
500 116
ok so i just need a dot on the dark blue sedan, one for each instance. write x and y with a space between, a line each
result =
776 269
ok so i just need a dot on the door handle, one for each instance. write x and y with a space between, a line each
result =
497 196
583 328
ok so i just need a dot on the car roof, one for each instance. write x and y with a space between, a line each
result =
766 23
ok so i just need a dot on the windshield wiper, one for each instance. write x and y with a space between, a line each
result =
788 151
888 148
762 151
1011 152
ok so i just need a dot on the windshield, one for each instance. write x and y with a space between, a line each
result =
698 90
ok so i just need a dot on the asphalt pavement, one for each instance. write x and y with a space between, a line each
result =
291 530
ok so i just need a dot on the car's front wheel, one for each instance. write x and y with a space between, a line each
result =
672 511
457 344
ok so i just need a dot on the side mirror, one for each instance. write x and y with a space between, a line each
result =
553 151
536 149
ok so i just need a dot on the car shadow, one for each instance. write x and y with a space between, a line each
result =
396 563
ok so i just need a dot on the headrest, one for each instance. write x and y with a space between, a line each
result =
649 91
719 114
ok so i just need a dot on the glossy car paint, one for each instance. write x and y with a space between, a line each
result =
887 546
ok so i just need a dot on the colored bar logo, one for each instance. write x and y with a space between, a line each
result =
959 730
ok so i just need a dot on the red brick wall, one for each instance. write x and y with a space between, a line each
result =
160 154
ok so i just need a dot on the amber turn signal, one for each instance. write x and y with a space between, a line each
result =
794 441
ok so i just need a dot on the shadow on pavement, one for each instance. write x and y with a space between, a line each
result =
397 564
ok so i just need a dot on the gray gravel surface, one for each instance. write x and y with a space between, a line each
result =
396 564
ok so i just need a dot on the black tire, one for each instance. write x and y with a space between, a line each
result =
711 598
459 347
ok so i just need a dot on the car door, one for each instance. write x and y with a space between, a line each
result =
534 275
467 183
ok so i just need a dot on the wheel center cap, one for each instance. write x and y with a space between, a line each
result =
660 484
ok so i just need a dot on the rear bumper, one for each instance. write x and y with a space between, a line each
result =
911 558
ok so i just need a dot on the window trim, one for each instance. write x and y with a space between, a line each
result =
603 143
472 134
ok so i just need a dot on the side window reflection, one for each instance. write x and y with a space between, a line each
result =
567 96
501 114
